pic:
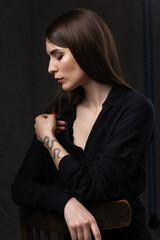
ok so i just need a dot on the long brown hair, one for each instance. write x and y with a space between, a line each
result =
92 45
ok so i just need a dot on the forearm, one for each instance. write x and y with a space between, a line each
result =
33 187
55 149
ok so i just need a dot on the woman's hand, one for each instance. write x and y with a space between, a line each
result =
46 124
61 126
80 221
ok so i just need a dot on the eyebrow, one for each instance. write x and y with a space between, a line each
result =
54 51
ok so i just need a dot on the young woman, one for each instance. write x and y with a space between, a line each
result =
93 149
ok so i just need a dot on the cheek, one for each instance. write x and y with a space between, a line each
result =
75 70
69 65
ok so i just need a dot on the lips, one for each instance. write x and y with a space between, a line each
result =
59 79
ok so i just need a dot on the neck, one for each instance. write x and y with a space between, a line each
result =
95 93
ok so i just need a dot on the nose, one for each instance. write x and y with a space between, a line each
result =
52 67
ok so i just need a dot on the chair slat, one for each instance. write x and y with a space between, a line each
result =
31 237
37 235
46 235
60 236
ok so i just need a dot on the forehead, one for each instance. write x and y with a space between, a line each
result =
50 47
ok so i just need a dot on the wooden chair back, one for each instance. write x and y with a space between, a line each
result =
108 216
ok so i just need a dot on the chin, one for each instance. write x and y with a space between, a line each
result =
68 88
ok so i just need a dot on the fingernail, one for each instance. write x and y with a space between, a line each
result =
53 113
101 236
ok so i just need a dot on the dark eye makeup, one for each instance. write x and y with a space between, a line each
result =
60 57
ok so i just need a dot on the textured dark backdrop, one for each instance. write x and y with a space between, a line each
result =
26 87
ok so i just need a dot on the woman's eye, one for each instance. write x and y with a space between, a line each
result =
59 57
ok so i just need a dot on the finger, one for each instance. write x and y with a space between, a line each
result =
56 115
61 128
87 233
73 233
96 231
60 122
80 233
51 117
44 115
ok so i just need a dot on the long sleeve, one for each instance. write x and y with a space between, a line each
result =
31 187
121 159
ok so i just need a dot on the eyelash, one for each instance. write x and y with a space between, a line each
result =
59 57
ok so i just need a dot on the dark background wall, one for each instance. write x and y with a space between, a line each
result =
26 87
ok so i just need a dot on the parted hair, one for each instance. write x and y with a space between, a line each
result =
92 45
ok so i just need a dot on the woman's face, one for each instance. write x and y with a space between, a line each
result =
64 67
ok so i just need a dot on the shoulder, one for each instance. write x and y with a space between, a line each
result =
135 100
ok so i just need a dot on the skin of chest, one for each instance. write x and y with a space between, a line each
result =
83 124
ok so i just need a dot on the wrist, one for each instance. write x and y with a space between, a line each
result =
69 204
48 141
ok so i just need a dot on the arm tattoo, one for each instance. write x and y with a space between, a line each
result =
46 138
48 141
54 152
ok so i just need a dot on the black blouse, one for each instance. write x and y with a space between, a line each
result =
111 167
